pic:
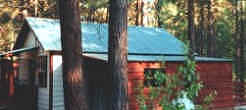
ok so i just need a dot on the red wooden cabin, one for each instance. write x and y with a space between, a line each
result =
216 76
147 49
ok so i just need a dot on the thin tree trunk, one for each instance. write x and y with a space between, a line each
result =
158 12
142 13
241 43
36 8
239 86
89 17
237 31
240 90
117 56
191 31
201 33
137 13
57 8
198 39
107 15
74 80
211 33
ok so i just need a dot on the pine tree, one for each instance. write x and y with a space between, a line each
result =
117 56
75 84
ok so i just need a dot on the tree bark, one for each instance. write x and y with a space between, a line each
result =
201 33
211 34
241 43
191 31
137 13
158 12
117 56
239 53
107 15
237 31
74 80
142 13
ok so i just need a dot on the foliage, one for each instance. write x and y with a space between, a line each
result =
160 95
12 14
167 88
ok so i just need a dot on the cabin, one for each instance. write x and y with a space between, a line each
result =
38 51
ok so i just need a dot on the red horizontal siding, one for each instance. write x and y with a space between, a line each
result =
216 76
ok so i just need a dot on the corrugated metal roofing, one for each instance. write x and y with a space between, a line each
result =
95 37
158 58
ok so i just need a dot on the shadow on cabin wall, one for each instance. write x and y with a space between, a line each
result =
25 95
5 72
96 71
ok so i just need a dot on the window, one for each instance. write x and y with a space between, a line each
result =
42 75
154 77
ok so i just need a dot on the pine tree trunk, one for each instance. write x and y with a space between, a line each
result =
142 13
107 15
201 42
137 13
117 56
240 61
74 80
191 31
237 31
241 43
237 51
158 12
90 14
211 34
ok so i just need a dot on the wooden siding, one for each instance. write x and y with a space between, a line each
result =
43 93
95 70
43 99
216 76
58 94
136 78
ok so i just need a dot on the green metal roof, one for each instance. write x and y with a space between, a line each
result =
144 43
160 58
95 37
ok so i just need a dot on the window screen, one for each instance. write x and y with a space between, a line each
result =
151 76
43 71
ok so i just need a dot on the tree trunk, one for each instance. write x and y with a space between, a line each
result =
191 31
117 56
211 34
137 13
90 14
107 15
74 80
237 54
158 12
241 43
201 32
237 31
142 12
